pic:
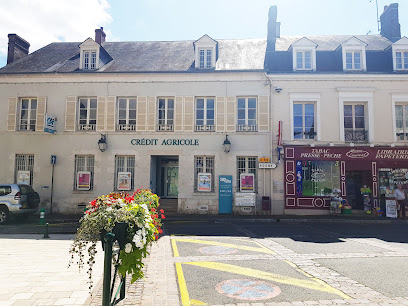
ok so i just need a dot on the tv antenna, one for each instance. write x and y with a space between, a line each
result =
378 20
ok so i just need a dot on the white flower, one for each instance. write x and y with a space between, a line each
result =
109 208
128 247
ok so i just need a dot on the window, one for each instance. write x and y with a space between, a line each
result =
126 114
87 114
205 58
401 121
5 190
89 58
124 172
304 121
27 114
203 164
204 114
353 60
354 122
246 165
84 172
247 114
24 169
166 113
401 60
303 60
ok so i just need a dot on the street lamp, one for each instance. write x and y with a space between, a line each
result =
102 143
227 144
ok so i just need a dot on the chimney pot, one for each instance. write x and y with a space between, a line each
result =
390 27
17 48
100 36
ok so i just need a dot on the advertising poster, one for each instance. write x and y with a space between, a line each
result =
391 208
225 194
49 124
124 180
247 182
299 179
83 180
23 177
204 182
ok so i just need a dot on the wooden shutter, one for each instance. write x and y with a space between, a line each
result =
100 120
151 114
178 114
12 114
263 113
189 114
41 110
70 113
230 114
110 113
220 111
141 113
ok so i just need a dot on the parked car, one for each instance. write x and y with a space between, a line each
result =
17 199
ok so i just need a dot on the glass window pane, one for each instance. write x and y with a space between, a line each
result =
170 103
308 60
309 121
251 102
359 122
82 114
210 103
24 114
309 109
298 109
298 121
241 103
348 110
24 103
348 122
349 60
251 114
200 114
298 133
241 114
210 122
210 114
93 103
200 103
299 60
161 103
92 114
359 110
132 103
132 114
33 104
170 114
405 60
122 103
83 103
122 114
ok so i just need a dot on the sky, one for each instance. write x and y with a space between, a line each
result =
41 22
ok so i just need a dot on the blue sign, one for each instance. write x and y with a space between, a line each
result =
225 194
299 179
53 159
49 126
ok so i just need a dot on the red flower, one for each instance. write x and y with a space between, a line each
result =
162 211
160 231
153 209
93 203
163 216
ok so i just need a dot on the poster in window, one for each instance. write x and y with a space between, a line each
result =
391 208
124 180
83 180
23 177
204 182
247 182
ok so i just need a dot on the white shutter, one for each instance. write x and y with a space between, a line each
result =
263 113
110 113
220 111
230 114
100 120
70 113
41 110
141 113
151 114
12 114
189 114
178 114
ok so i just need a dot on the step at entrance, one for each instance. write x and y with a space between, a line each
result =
169 206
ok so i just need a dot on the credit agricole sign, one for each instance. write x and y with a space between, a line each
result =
164 142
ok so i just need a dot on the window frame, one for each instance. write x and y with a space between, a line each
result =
29 110
307 98
165 127
87 126
205 168
303 55
353 58
304 103
129 163
247 127
88 165
247 169
127 126
26 164
398 100
404 59
204 127
205 62
354 129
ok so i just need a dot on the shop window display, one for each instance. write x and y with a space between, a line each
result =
317 178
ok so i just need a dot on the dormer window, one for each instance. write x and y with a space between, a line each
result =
89 60
205 58
89 55
400 54
304 55
353 53
205 52
353 60
304 60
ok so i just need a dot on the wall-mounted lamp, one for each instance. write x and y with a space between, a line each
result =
102 143
278 89
227 144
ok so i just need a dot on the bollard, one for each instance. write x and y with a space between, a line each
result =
107 270
46 231
42 216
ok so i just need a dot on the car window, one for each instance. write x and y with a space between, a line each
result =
25 189
5 190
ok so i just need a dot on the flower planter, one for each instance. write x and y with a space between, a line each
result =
120 231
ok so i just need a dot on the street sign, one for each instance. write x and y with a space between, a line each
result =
264 160
49 124
267 166
53 159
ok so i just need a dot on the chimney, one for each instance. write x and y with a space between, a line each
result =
17 48
273 28
390 27
100 36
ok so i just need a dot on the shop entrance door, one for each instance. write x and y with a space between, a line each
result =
355 180
169 176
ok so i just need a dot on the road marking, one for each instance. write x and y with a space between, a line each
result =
175 249
227 245
185 298
314 285
197 302
248 289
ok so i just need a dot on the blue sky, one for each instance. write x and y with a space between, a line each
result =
132 20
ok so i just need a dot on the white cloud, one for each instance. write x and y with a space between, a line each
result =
42 22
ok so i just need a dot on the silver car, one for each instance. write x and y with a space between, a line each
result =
17 199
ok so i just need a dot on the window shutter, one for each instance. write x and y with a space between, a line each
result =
12 114
220 110
70 113
141 113
178 114
100 120
263 113
151 117
230 114
110 113
188 114
41 110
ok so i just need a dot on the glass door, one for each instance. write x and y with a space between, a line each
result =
172 182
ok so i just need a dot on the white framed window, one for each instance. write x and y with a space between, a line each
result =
246 164
401 60
203 164
247 114
126 114
27 114
84 164
166 114
87 114
204 114
24 169
303 60
304 120
124 165
205 56
355 122
353 60
401 121
89 60
354 54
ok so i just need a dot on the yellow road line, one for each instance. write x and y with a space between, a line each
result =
185 299
175 249
197 302
227 245
314 285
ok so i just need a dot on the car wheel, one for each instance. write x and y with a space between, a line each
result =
4 215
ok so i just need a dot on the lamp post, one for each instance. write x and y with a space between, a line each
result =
102 143
227 145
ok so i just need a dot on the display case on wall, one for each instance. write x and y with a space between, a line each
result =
389 179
